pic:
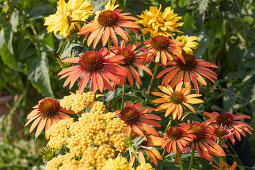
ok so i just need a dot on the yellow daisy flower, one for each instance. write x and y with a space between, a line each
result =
158 23
188 43
67 15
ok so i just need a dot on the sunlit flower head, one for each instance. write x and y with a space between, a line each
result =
46 113
136 119
68 15
188 43
99 66
231 122
204 142
106 23
177 136
160 23
133 57
174 100
160 46
148 146
224 166
191 70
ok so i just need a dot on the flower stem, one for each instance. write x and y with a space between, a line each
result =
152 81
192 157
123 96
220 163
179 157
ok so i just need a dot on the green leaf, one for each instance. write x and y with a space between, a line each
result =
203 44
137 6
38 73
98 5
8 58
26 49
138 140
14 20
40 11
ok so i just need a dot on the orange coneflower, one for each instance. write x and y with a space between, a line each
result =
137 121
173 100
177 136
160 46
204 140
148 146
132 58
99 65
225 166
47 112
220 131
106 23
192 70
230 121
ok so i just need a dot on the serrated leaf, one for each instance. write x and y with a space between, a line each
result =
38 73
8 58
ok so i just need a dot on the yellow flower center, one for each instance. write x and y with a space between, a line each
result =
91 61
225 119
190 65
220 132
160 43
175 133
108 18
177 98
49 107
129 56
130 115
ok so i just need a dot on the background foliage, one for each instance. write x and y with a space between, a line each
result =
226 31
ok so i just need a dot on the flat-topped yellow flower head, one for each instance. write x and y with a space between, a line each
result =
160 23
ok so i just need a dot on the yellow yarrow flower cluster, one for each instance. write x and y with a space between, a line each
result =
121 163
67 15
158 23
77 102
188 43
94 138
145 166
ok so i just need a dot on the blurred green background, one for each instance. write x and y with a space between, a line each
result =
28 64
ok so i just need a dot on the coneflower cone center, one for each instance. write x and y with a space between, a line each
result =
108 18
220 132
175 133
129 56
199 131
49 107
190 65
130 115
225 119
160 43
91 61
177 98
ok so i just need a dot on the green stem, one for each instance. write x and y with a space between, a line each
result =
192 157
123 96
169 124
151 83
220 163
179 157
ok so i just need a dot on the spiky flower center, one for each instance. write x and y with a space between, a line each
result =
129 56
49 107
175 133
91 61
130 115
177 98
220 132
200 131
225 119
190 65
108 18
160 43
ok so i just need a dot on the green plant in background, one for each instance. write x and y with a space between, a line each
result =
225 31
